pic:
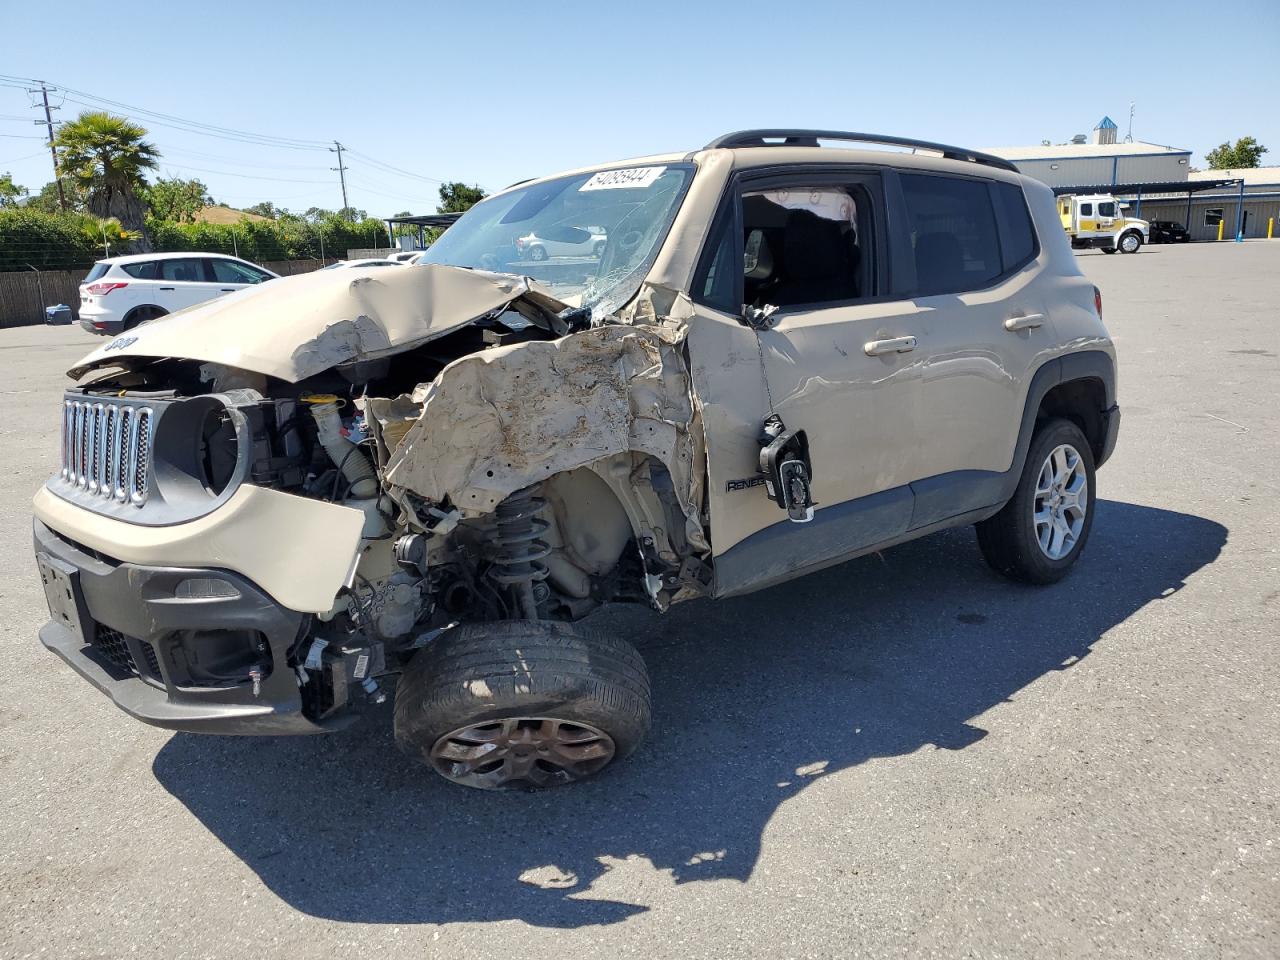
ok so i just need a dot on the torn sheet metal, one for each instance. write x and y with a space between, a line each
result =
496 421
295 327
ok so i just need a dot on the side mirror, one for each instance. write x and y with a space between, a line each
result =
784 461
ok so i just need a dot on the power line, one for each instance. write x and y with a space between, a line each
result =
214 129
225 159
387 166
402 197
25 156
195 129
229 134
242 176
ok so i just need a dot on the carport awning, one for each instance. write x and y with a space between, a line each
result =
1148 189
438 221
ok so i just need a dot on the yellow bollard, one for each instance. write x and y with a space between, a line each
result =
1221 224
1271 222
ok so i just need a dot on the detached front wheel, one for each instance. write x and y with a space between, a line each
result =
522 703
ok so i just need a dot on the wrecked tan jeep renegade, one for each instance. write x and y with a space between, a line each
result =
276 507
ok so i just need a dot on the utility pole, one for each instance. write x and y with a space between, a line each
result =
342 176
48 123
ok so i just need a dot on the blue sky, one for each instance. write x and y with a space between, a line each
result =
496 92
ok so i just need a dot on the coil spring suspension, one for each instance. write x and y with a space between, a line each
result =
518 552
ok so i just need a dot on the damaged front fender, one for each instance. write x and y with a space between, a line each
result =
494 422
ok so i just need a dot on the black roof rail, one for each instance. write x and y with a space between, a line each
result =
810 138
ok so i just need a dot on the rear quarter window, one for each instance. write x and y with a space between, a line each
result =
1017 233
143 271
97 271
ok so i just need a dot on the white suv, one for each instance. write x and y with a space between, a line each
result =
122 292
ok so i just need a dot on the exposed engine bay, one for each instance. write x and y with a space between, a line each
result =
531 462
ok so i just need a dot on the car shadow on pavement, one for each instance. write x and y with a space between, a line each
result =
754 698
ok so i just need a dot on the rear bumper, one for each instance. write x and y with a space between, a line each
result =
96 320
142 643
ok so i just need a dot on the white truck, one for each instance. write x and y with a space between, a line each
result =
1098 220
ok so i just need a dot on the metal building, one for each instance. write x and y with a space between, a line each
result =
1103 161
1203 212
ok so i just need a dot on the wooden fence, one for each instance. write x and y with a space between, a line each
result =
25 293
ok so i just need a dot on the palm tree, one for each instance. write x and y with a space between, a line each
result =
105 156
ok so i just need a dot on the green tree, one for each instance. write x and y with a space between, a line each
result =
1245 153
266 209
458 197
10 191
177 199
46 200
106 157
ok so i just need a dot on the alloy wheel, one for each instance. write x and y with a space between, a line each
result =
521 751
1061 502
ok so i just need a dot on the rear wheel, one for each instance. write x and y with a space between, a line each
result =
522 703
538 253
142 315
1039 533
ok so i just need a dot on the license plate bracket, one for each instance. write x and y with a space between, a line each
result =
63 594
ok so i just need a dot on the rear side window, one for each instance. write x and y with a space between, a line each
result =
98 270
146 270
953 233
1017 235
182 270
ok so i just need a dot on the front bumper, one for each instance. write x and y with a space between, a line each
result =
129 630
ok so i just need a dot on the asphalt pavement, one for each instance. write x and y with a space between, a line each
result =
901 756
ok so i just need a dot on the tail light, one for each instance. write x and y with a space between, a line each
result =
1097 301
519 243
102 289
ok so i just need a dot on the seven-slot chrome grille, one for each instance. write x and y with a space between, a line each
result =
106 448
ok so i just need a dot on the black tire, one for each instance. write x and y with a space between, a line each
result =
1136 239
142 315
507 680
1008 540
538 254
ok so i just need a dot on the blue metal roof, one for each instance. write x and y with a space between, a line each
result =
1106 123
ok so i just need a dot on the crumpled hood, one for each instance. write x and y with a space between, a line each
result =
295 327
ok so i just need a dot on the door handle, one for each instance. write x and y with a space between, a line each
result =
168 288
227 290
878 348
1029 322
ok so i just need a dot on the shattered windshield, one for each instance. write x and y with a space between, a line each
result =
588 238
